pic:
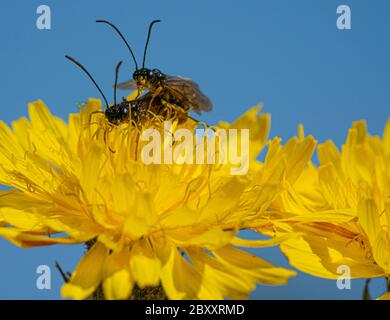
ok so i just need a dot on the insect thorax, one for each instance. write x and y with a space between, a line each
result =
118 113
148 78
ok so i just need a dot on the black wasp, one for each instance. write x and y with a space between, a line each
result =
137 110
177 91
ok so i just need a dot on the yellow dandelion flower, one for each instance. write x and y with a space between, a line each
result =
173 225
342 208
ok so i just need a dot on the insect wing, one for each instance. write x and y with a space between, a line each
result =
188 91
127 85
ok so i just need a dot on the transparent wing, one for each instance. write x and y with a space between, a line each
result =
127 85
188 91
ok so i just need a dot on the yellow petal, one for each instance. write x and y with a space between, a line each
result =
144 264
91 167
35 215
143 216
179 279
386 296
252 266
369 218
298 154
332 216
117 283
28 240
87 275
258 126
387 212
229 194
321 256
328 153
381 252
221 281
212 239
386 137
22 219
239 242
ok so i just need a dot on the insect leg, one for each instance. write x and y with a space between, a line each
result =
90 116
105 141
154 95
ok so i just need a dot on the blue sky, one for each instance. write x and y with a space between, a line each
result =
287 54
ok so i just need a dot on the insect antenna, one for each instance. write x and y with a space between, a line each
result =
147 40
122 37
116 79
90 77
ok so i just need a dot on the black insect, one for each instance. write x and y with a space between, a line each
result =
124 110
116 113
140 110
177 91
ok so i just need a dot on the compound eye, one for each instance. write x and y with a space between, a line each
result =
157 73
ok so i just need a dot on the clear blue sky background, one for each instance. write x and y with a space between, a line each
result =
287 54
